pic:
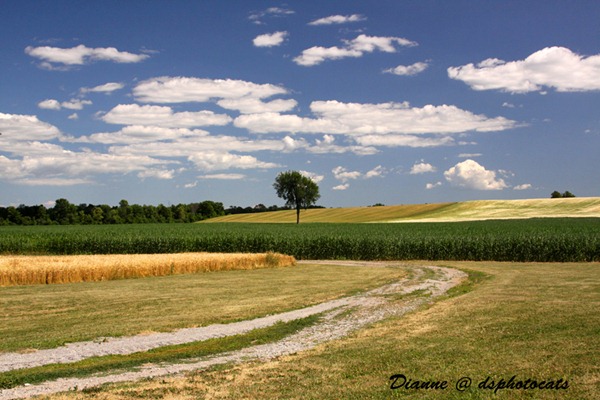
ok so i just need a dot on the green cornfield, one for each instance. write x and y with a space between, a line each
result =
541 240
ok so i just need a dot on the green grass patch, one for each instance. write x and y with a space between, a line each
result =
535 321
167 354
46 316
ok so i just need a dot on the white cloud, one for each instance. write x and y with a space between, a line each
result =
73 104
314 177
106 88
270 39
471 175
343 186
430 186
338 19
81 55
422 168
49 104
334 117
157 174
469 155
227 177
73 117
377 172
257 16
251 105
524 186
391 140
551 67
38 163
143 134
134 114
342 174
353 48
317 54
16 127
408 70
219 160
182 89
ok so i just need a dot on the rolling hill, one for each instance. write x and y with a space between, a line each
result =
439 212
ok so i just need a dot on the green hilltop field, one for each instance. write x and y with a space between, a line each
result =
439 212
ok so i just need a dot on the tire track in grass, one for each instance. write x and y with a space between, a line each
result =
342 317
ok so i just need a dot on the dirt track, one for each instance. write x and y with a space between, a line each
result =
342 316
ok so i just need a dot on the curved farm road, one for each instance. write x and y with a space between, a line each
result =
341 317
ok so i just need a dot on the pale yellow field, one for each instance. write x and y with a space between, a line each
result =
31 270
576 207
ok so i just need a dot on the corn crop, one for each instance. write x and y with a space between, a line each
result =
31 270
534 240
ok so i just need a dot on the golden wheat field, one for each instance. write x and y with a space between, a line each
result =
33 270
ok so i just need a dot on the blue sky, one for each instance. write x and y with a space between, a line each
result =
393 102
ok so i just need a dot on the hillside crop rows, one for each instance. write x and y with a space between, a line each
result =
543 240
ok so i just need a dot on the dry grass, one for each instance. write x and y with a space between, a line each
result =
534 320
32 270
440 212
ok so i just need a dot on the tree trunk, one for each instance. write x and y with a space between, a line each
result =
297 215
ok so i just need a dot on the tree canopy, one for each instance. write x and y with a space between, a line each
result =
297 190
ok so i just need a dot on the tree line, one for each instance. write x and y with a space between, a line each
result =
65 213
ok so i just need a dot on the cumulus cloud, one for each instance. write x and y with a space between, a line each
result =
134 114
334 117
551 67
106 88
422 168
342 174
81 55
316 178
142 134
376 172
391 140
157 174
471 175
219 160
17 127
270 39
408 70
251 105
38 163
227 177
183 89
338 19
73 104
49 104
274 12
343 186
356 47
524 186
430 186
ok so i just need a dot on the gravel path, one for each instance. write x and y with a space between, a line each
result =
342 317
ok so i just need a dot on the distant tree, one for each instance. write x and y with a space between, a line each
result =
557 195
297 190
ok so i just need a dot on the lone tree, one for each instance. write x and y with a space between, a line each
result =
297 190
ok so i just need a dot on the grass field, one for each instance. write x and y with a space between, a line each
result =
440 212
547 240
531 321
46 316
